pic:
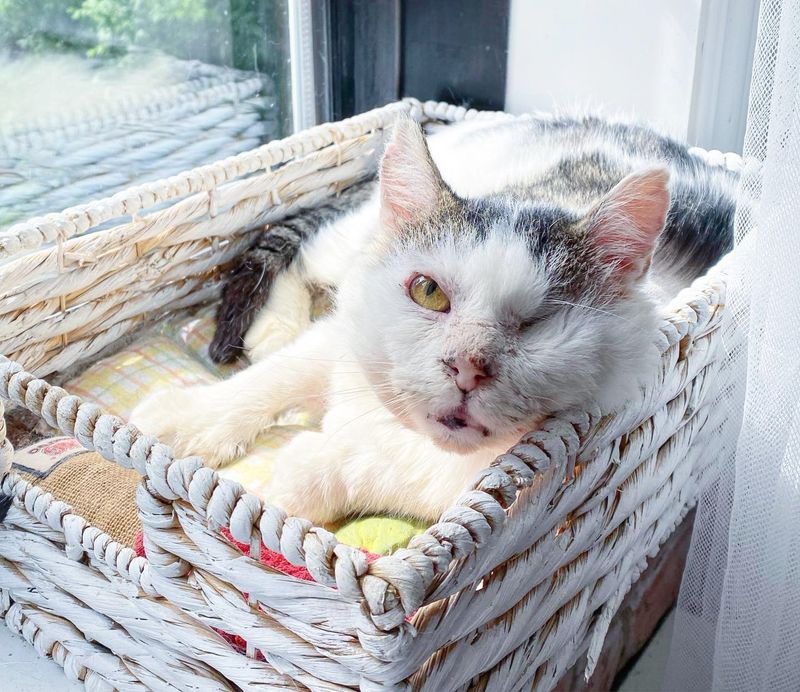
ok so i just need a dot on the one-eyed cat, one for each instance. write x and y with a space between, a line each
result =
507 272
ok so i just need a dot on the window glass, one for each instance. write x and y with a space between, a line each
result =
98 95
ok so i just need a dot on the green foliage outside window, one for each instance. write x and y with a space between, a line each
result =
247 34
244 34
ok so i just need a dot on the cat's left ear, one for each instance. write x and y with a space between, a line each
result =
411 185
625 226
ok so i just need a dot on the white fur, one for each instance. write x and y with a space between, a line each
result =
375 366
289 315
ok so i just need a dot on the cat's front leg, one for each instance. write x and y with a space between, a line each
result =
324 476
307 480
220 421
194 421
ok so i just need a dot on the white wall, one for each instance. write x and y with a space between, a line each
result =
640 58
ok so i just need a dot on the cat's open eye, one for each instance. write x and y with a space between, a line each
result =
426 293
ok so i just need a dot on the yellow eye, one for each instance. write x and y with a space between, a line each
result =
425 292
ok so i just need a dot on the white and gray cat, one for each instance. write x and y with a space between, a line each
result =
500 273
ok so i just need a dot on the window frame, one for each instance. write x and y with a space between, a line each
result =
371 52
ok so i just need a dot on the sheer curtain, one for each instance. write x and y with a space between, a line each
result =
737 625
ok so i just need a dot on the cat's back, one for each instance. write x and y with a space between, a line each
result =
573 161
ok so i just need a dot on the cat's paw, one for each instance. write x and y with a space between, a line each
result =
187 420
156 414
306 481
268 334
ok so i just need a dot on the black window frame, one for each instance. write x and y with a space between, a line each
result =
371 52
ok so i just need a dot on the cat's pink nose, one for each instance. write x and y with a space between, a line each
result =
467 371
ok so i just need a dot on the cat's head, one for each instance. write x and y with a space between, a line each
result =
476 318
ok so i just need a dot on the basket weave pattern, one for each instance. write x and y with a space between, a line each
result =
208 113
505 591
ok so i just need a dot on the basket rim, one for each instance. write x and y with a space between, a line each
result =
541 463
34 233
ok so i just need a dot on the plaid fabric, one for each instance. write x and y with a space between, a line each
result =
194 335
121 381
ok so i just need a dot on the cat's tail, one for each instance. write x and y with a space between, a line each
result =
247 287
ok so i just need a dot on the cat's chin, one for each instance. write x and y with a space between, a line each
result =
462 442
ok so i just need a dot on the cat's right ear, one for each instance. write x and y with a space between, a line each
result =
626 224
411 186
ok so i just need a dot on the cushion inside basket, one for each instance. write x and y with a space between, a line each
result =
174 352
100 491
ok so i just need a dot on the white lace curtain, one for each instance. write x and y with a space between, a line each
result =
737 625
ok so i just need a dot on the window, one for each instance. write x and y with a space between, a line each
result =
99 95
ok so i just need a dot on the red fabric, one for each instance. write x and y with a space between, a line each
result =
138 544
268 557
273 559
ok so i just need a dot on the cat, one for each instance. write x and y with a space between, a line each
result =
500 272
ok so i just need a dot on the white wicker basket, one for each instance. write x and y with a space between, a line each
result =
513 583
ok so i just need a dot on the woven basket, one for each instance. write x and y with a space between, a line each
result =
209 112
520 577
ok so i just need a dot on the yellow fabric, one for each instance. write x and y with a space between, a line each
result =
379 535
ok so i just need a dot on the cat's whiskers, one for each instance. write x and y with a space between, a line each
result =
278 354
356 392
361 415
596 309
347 397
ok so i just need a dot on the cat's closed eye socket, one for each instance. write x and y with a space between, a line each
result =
544 311
426 293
